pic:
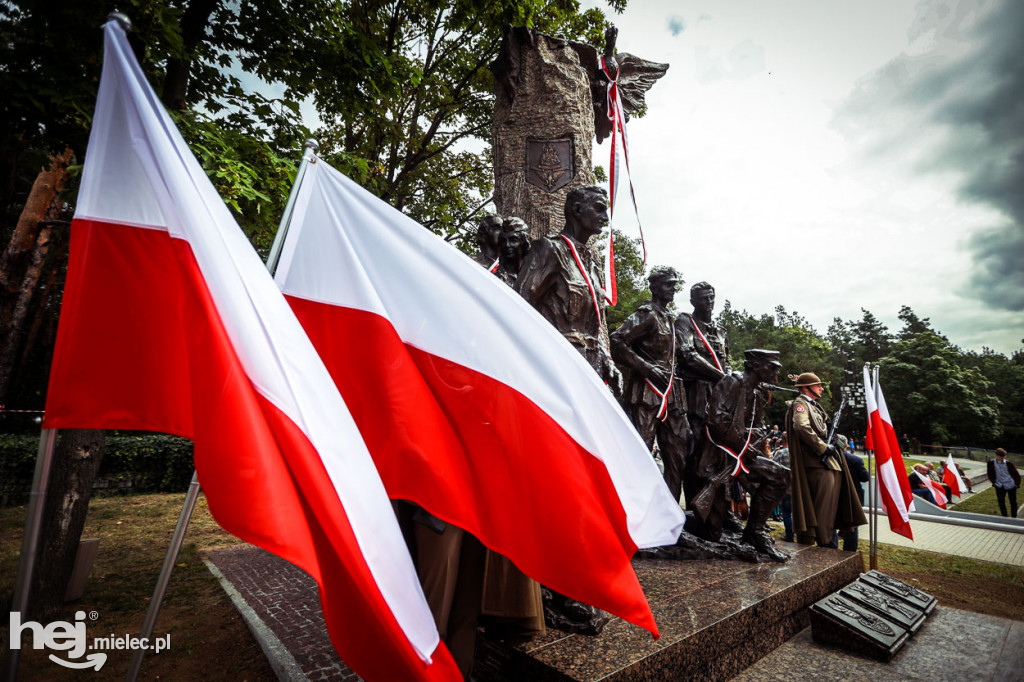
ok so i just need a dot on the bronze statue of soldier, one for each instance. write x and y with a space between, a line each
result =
735 439
513 245
653 394
488 233
702 353
561 280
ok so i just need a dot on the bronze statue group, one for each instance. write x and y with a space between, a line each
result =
703 419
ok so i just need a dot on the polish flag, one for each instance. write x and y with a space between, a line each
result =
471 403
171 323
938 492
893 485
951 477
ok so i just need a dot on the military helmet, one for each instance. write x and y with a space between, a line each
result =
806 379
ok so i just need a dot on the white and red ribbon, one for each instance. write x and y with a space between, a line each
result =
586 278
740 466
707 345
494 266
617 116
663 409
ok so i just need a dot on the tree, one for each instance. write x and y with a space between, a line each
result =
933 396
912 324
871 338
401 85
1006 375
630 279
800 347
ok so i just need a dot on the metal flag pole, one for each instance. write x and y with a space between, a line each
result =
311 147
30 543
165 575
188 507
873 559
872 550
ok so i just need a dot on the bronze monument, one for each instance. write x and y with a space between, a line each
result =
735 439
487 234
550 103
702 351
653 396
561 280
513 245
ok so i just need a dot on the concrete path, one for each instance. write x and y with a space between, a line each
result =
974 543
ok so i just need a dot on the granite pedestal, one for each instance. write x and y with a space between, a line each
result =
716 618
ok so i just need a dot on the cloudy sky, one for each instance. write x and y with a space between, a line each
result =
829 156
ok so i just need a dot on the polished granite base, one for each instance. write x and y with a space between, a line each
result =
716 618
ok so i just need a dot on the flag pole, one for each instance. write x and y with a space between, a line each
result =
165 575
873 558
311 147
873 529
188 507
30 542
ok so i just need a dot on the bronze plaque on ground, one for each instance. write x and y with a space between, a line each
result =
843 622
885 604
549 163
908 593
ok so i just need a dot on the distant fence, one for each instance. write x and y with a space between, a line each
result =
968 452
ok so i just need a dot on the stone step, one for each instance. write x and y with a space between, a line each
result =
716 618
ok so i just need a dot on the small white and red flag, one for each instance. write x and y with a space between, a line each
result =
471 403
937 491
951 477
171 323
893 484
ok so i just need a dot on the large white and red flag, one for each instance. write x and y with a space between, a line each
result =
893 484
951 477
472 404
171 323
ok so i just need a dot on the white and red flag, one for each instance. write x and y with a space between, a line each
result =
937 491
893 484
951 477
171 323
471 403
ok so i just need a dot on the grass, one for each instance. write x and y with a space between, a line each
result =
209 640
957 582
984 502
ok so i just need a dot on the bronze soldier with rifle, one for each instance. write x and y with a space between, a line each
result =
735 439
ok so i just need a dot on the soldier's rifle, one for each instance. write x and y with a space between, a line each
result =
702 501
830 441
773 387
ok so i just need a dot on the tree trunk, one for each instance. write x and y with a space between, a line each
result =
76 460
23 262
194 21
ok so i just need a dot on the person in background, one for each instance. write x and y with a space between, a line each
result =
860 476
823 496
781 456
937 479
917 484
1005 479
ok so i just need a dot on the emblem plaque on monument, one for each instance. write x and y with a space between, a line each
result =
549 163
